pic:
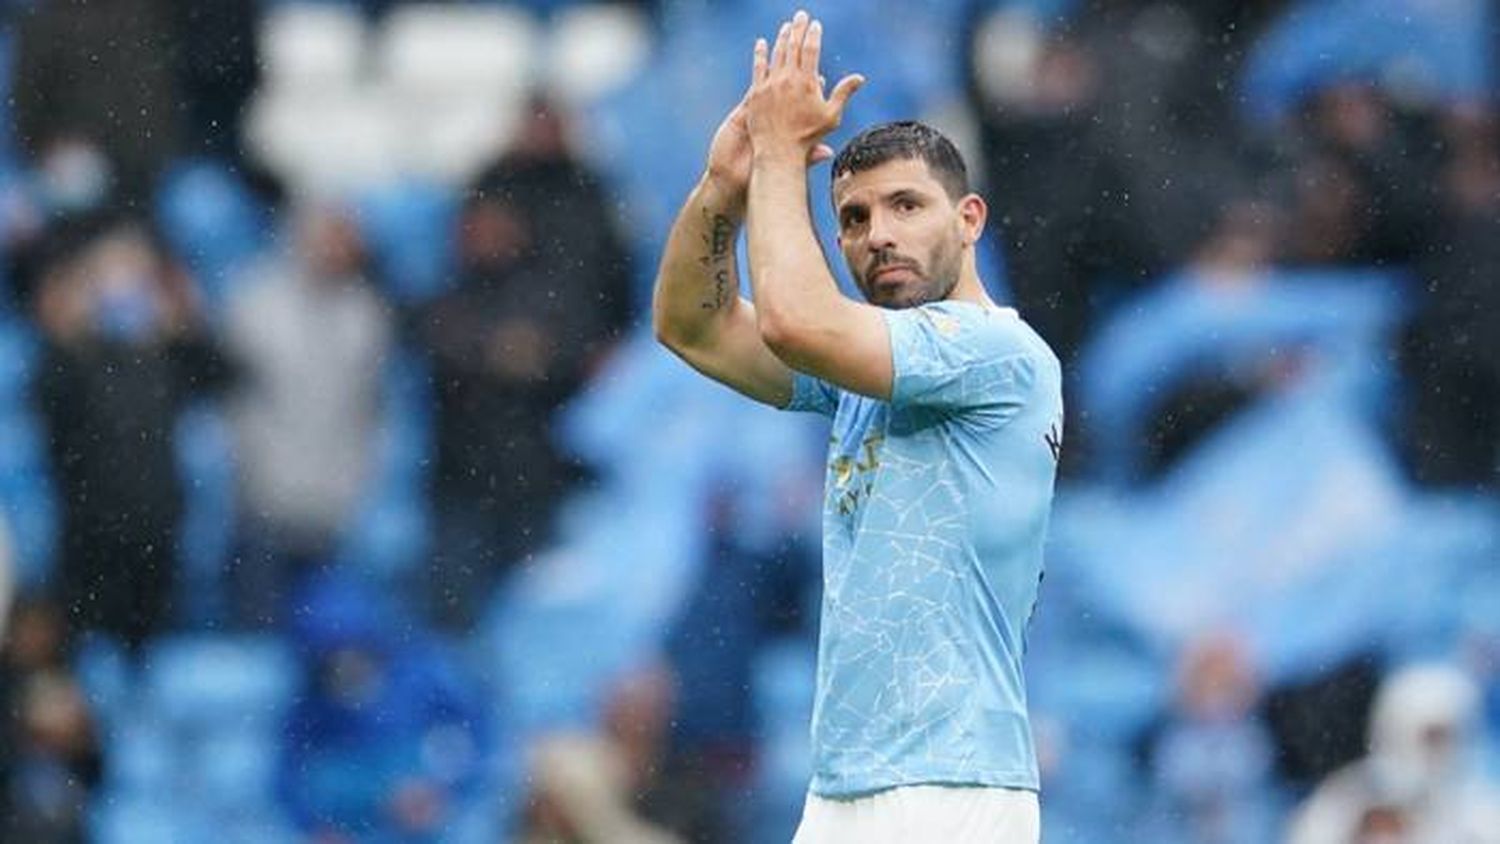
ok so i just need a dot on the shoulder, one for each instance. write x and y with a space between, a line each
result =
990 332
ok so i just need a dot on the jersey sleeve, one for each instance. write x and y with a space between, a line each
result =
812 395
950 357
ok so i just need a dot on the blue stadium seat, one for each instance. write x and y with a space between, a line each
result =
141 758
235 767
26 500
208 679
388 534
409 226
1184 327
783 694
211 221
1438 50
144 819
205 460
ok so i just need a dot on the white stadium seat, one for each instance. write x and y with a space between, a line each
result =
442 48
312 47
449 139
596 48
324 144
435 91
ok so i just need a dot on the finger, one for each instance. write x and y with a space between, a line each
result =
758 67
843 91
821 152
812 48
798 36
779 52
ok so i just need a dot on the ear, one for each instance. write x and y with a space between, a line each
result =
972 213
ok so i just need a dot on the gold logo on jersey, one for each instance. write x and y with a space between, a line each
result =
853 476
946 325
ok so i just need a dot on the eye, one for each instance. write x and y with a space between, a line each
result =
906 204
852 218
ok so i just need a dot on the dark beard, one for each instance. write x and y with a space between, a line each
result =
928 289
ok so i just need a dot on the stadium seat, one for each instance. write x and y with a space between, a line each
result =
144 819
439 47
595 49
211 221
141 758
451 137
235 769
17 353
324 142
408 227
456 76
193 679
388 534
312 47
26 502
205 460
783 696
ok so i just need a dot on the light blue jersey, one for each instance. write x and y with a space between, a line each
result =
934 515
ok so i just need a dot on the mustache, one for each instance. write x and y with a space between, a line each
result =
889 260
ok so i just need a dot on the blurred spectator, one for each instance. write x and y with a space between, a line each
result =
587 787
100 75
1223 333
574 225
1107 144
1233 260
1322 724
123 354
1140 177
72 175
538 300
1211 759
1451 426
1365 180
217 66
388 742
309 336
1418 783
1057 190
7 575
747 594
50 761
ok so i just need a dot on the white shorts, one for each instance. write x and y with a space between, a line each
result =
918 814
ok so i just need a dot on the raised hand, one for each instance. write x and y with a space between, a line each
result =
786 111
729 152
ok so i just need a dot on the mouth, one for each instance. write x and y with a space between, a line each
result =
893 273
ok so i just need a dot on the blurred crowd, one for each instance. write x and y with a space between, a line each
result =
365 509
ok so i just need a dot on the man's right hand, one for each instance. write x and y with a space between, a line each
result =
729 158
728 172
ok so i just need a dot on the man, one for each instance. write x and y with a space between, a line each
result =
309 335
947 418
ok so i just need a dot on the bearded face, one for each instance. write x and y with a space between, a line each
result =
900 232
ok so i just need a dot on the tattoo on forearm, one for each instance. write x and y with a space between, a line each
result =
719 262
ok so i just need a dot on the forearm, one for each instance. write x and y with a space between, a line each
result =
794 290
697 285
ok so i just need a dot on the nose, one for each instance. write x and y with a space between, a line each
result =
881 233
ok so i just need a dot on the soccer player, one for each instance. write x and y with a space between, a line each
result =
947 420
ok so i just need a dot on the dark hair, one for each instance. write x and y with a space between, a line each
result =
902 140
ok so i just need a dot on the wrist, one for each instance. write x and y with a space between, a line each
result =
781 153
723 195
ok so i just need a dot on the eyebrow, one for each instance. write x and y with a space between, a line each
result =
893 196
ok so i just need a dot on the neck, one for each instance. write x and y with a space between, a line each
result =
969 287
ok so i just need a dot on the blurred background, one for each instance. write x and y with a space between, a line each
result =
346 497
